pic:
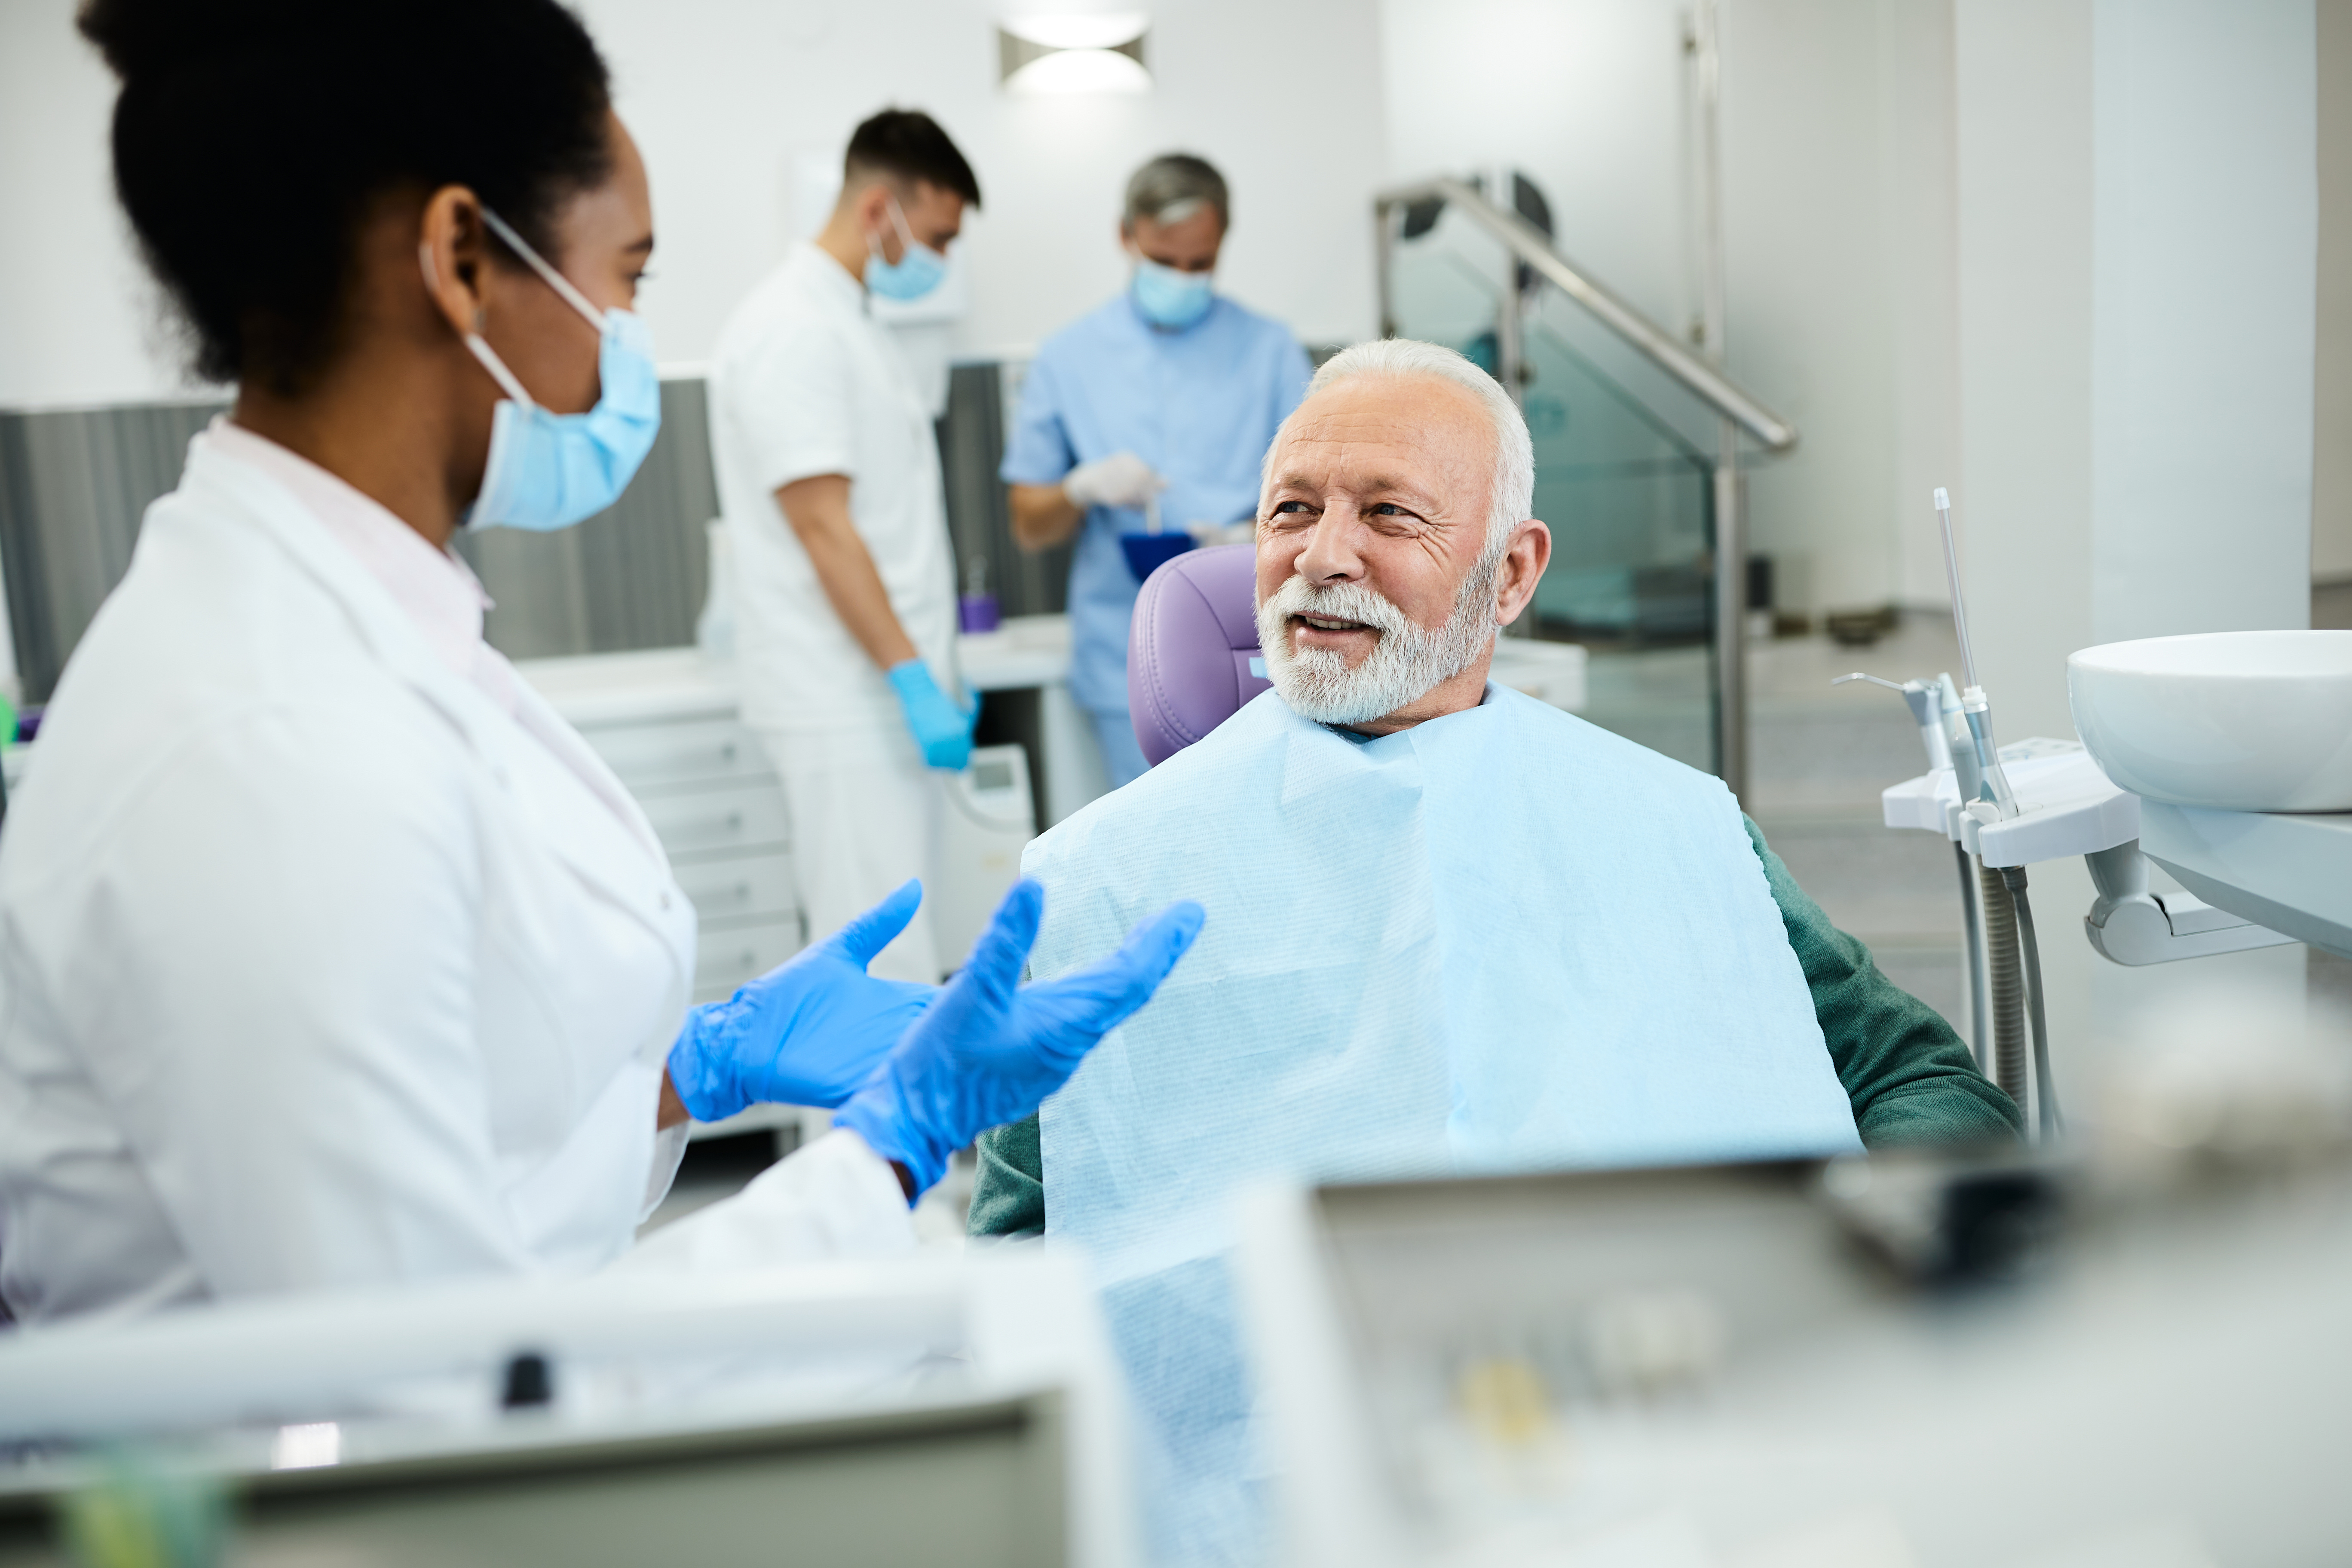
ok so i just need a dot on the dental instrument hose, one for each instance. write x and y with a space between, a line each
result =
1972 918
2008 990
2045 1098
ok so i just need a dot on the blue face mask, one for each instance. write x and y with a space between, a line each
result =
550 470
1168 298
917 271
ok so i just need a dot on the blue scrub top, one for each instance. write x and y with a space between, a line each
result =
1201 406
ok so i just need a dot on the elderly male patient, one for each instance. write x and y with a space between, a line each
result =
1393 542
1449 927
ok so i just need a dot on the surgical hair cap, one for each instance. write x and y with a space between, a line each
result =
1173 186
1512 498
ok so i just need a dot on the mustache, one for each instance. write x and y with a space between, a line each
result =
1339 602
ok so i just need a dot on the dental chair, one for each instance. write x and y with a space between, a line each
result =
1191 650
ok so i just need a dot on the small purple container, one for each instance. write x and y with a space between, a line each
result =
978 612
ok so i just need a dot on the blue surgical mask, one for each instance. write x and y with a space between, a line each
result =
550 470
1168 298
917 271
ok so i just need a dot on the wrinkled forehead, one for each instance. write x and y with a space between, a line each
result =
1371 433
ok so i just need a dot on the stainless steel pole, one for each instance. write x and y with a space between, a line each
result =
1730 616
1509 350
1730 519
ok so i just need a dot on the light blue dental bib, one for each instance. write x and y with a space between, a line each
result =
1506 938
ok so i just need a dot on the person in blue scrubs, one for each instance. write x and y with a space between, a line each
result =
1170 391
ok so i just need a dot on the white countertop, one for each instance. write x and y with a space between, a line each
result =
605 689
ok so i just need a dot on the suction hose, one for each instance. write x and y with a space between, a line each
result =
2007 984
2045 1098
1972 918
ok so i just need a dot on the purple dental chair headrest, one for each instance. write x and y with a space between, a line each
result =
1191 651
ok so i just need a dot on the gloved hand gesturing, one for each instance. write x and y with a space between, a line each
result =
1120 479
988 1052
808 1031
941 728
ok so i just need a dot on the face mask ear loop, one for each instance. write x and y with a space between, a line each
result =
555 280
498 371
898 221
475 346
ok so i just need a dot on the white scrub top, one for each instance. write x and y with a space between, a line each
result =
330 955
805 383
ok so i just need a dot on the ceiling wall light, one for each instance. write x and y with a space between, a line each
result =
1076 54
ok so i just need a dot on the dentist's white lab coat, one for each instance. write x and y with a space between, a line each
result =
320 969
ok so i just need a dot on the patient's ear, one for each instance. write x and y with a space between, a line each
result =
1523 560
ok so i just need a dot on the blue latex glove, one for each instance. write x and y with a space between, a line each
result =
987 1053
941 729
808 1031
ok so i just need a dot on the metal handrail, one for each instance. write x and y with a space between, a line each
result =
1661 348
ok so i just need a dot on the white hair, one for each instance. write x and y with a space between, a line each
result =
1408 660
1512 497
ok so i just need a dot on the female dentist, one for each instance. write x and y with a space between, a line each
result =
330 957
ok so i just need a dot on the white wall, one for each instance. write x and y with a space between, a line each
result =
1822 140
723 93
2134 464
1838 191
1587 96
2203 290
79 323
1840 171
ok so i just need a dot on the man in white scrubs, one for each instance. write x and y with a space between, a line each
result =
829 478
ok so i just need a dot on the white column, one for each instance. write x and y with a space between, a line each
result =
2021 71
2204 312
2137 221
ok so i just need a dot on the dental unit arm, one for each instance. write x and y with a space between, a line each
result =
2005 807
2004 956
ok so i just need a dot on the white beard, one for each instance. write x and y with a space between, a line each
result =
1404 665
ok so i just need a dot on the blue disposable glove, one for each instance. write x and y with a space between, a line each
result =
808 1031
987 1053
941 729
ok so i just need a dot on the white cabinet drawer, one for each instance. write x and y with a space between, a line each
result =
742 886
678 751
724 959
692 821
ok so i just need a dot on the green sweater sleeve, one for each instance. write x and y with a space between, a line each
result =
1908 1076
1008 1191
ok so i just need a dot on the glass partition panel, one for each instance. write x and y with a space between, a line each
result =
1623 476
